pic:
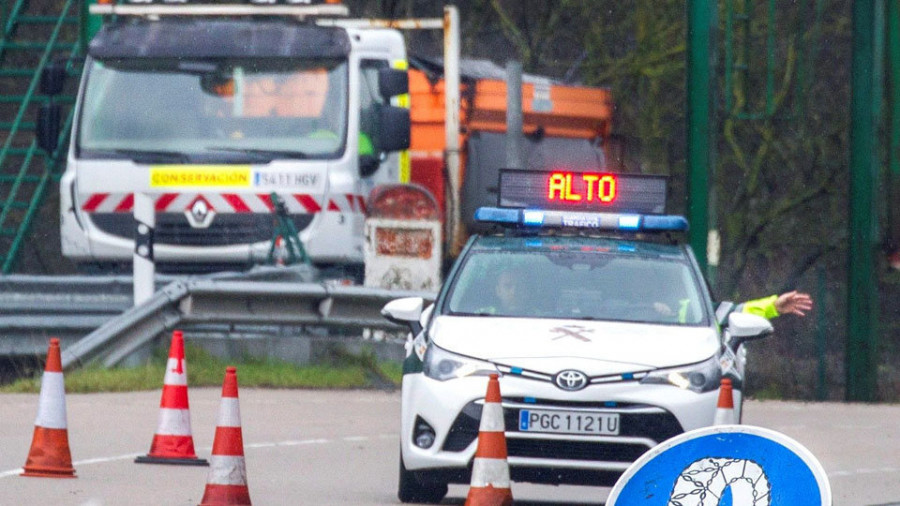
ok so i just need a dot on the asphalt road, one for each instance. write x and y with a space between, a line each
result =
340 448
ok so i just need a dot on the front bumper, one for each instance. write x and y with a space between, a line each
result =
649 414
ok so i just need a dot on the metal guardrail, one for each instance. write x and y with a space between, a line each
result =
33 308
235 302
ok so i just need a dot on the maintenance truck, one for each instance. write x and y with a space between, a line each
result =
219 111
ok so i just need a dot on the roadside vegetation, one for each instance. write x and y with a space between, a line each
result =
342 371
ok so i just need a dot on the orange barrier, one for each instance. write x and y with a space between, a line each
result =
725 407
490 485
227 481
173 442
49 455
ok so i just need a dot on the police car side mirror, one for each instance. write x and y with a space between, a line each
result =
406 311
743 327
722 311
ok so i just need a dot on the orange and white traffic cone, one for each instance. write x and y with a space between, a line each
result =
50 456
725 407
173 442
490 484
227 481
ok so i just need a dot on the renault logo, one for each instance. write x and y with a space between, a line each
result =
200 213
571 380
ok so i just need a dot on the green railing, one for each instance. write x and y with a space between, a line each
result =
30 40
751 61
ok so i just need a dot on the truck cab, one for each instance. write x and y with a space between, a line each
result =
213 117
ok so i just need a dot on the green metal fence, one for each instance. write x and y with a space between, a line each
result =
34 34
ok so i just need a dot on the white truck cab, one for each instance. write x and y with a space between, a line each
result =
211 116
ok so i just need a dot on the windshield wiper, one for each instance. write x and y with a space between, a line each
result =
262 153
152 156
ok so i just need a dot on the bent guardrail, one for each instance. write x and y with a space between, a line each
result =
237 302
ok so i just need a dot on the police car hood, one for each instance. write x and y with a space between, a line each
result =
594 347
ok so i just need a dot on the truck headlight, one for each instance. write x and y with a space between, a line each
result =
442 365
700 377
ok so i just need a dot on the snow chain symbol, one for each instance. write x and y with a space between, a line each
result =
704 481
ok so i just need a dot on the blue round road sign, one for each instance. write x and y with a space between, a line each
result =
725 465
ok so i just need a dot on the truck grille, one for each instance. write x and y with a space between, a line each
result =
225 229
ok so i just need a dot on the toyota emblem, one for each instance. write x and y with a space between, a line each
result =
571 380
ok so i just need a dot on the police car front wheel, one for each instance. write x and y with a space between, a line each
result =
411 490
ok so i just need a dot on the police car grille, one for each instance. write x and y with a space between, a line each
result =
225 229
657 426
574 450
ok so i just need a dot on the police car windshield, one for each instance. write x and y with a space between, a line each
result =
579 278
215 110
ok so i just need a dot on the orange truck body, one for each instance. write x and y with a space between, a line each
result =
557 110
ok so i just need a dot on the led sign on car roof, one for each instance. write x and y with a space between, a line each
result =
583 200
583 191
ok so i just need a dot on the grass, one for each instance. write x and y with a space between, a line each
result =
344 371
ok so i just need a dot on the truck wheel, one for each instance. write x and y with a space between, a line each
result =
410 489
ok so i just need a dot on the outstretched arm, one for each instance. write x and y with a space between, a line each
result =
792 302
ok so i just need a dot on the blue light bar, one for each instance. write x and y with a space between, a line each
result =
630 222
533 218
497 215
665 223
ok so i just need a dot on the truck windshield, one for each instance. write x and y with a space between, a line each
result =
207 110
578 284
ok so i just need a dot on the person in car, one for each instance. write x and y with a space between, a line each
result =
509 294
793 302
511 299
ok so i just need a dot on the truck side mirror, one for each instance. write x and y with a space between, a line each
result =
392 82
368 164
395 128
47 127
53 78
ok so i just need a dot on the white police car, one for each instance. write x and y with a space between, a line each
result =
600 325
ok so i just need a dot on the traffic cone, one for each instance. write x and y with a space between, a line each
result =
725 407
490 484
173 442
50 456
227 481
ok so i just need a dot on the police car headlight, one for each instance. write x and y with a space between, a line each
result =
442 365
702 377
